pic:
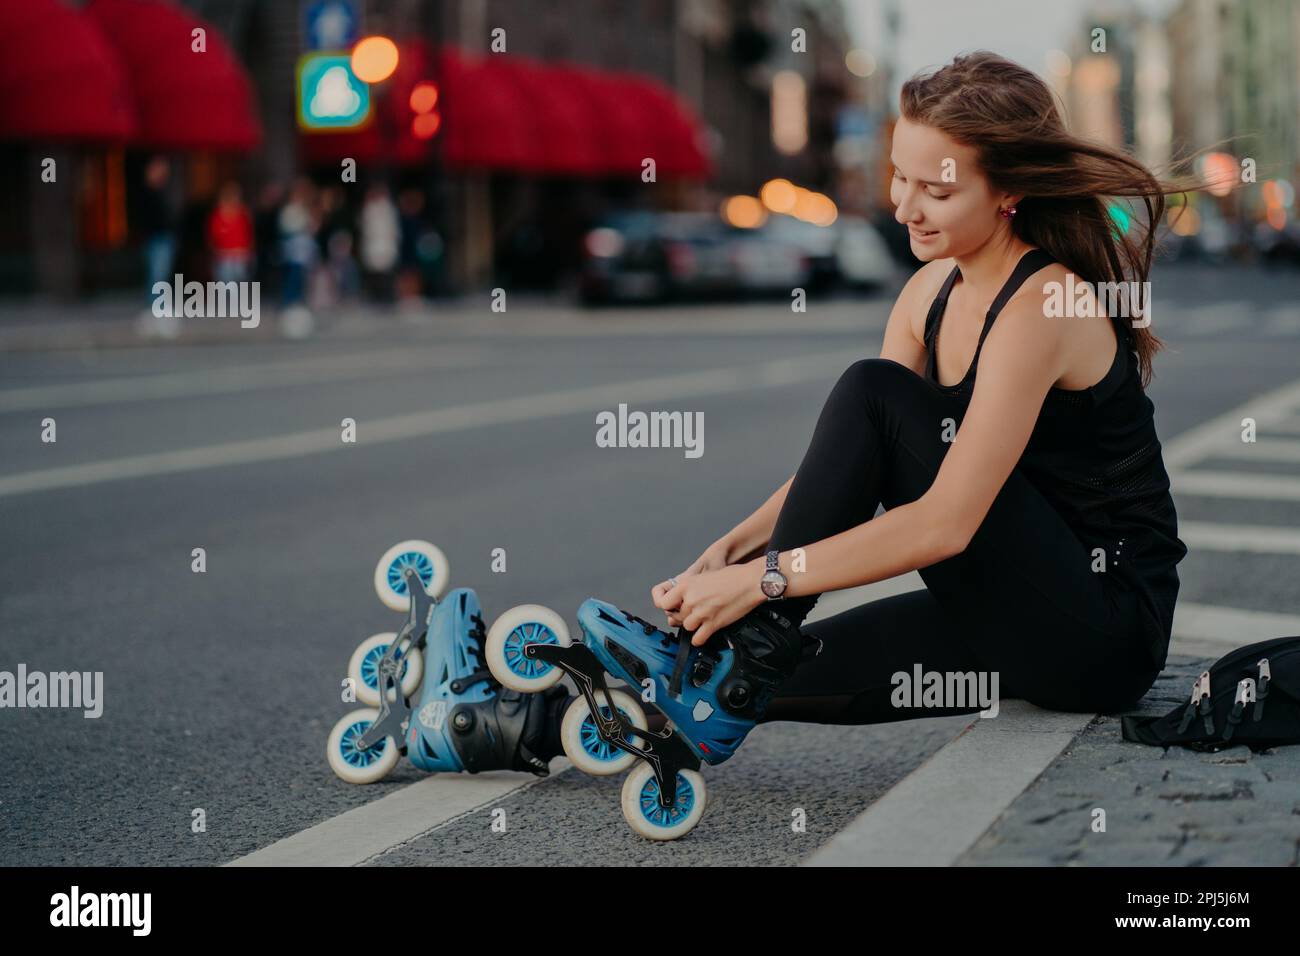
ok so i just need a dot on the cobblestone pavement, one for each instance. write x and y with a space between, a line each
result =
1163 807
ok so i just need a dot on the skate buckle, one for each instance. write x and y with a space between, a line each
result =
702 671
1245 695
1261 688
1199 701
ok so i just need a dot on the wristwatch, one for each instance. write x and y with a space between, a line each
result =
773 583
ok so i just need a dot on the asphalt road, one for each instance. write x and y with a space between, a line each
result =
220 687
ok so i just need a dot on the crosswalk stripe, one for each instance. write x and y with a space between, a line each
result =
394 820
1211 630
1211 323
1287 426
939 810
1256 539
1223 431
1281 321
1264 449
1235 484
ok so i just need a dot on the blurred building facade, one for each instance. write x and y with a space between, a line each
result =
725 59
1208 75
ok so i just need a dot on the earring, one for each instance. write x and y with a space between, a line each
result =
1008 212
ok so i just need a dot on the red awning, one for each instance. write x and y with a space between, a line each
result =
506 112
183 99
60 80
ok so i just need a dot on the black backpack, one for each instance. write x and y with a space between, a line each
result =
1249 696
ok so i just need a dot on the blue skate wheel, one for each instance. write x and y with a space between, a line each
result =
582 741
363 669
429 563
511 633
348 761
647 818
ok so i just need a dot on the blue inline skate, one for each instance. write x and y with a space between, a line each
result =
712 696
463 719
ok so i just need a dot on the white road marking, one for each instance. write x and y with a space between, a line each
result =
1281 322
868 316
408 814
1255 539
1263 449
938 811
236 378
1224 431
1212 321
1287 426
1212 630
1235 484
719 381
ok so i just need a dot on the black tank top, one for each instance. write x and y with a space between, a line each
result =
1094 455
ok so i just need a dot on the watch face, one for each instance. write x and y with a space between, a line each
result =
773 584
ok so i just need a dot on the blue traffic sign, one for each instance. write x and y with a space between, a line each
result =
329 94
331 25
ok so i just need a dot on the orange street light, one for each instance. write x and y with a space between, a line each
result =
374 59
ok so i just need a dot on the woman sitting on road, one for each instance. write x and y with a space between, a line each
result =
1014 452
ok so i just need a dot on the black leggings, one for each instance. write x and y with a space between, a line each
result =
1021 600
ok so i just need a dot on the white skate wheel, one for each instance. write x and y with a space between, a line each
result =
504 648
360 766
582 742
363 668
641 806
429 563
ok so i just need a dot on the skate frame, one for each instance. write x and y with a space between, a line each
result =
395 716
664 751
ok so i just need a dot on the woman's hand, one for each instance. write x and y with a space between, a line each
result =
714 558
707 601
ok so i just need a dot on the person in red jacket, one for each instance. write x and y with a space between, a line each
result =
230 236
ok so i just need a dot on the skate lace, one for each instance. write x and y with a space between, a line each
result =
482 673
666 640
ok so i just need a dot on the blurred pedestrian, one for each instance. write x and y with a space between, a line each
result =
297 241
381 233
266 237
340 277
158 223
230 236
414 246
298 223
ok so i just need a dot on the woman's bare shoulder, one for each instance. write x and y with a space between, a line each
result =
926 280
919 291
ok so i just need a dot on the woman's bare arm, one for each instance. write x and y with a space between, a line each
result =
902 344
749 538
1022 358
905 332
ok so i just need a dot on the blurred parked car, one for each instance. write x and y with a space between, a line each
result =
848 253
652 256
861 256
1278 246
762 263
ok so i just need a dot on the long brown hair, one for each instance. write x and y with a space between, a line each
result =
1008 115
